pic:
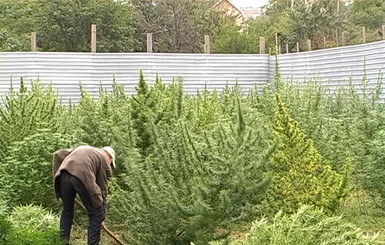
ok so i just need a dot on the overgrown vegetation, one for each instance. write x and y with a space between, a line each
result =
338 22
177 26
306 226
180 26
29 225
302 176
192 168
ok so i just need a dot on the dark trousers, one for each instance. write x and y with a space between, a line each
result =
69 186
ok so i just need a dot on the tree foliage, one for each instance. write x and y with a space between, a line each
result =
306 20
371 14
67 25
16 24
231 38
315 21
178 26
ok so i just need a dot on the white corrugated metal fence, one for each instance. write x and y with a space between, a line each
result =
66 70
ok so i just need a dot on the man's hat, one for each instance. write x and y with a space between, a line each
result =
111 152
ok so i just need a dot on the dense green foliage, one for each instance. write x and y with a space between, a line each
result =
66 25
179 26
189 187
314 21
368 13
25 112
306 20
375 160
302 176
16 24
32 225
231 38
28 224
31 123
192 167
5 225
30 160
306 226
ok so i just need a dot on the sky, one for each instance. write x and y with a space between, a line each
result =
249 3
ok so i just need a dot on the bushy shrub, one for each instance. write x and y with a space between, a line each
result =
26 173
301 175
373 167
33 225
25 112
306 226
190 165
101 122
190 188
33 217
105 122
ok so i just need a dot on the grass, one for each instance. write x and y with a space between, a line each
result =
80 229
360 209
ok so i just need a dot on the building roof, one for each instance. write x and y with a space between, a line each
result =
231 10
252 12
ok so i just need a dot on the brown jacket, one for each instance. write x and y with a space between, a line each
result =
89 165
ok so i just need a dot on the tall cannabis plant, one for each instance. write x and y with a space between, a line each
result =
26 172
141 104
306 226
301 175
105 121
190 188
28 110
32 224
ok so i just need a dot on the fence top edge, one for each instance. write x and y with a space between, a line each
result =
334 49
191 54
89 54
128 54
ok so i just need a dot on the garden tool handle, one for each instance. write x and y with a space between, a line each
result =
115 237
